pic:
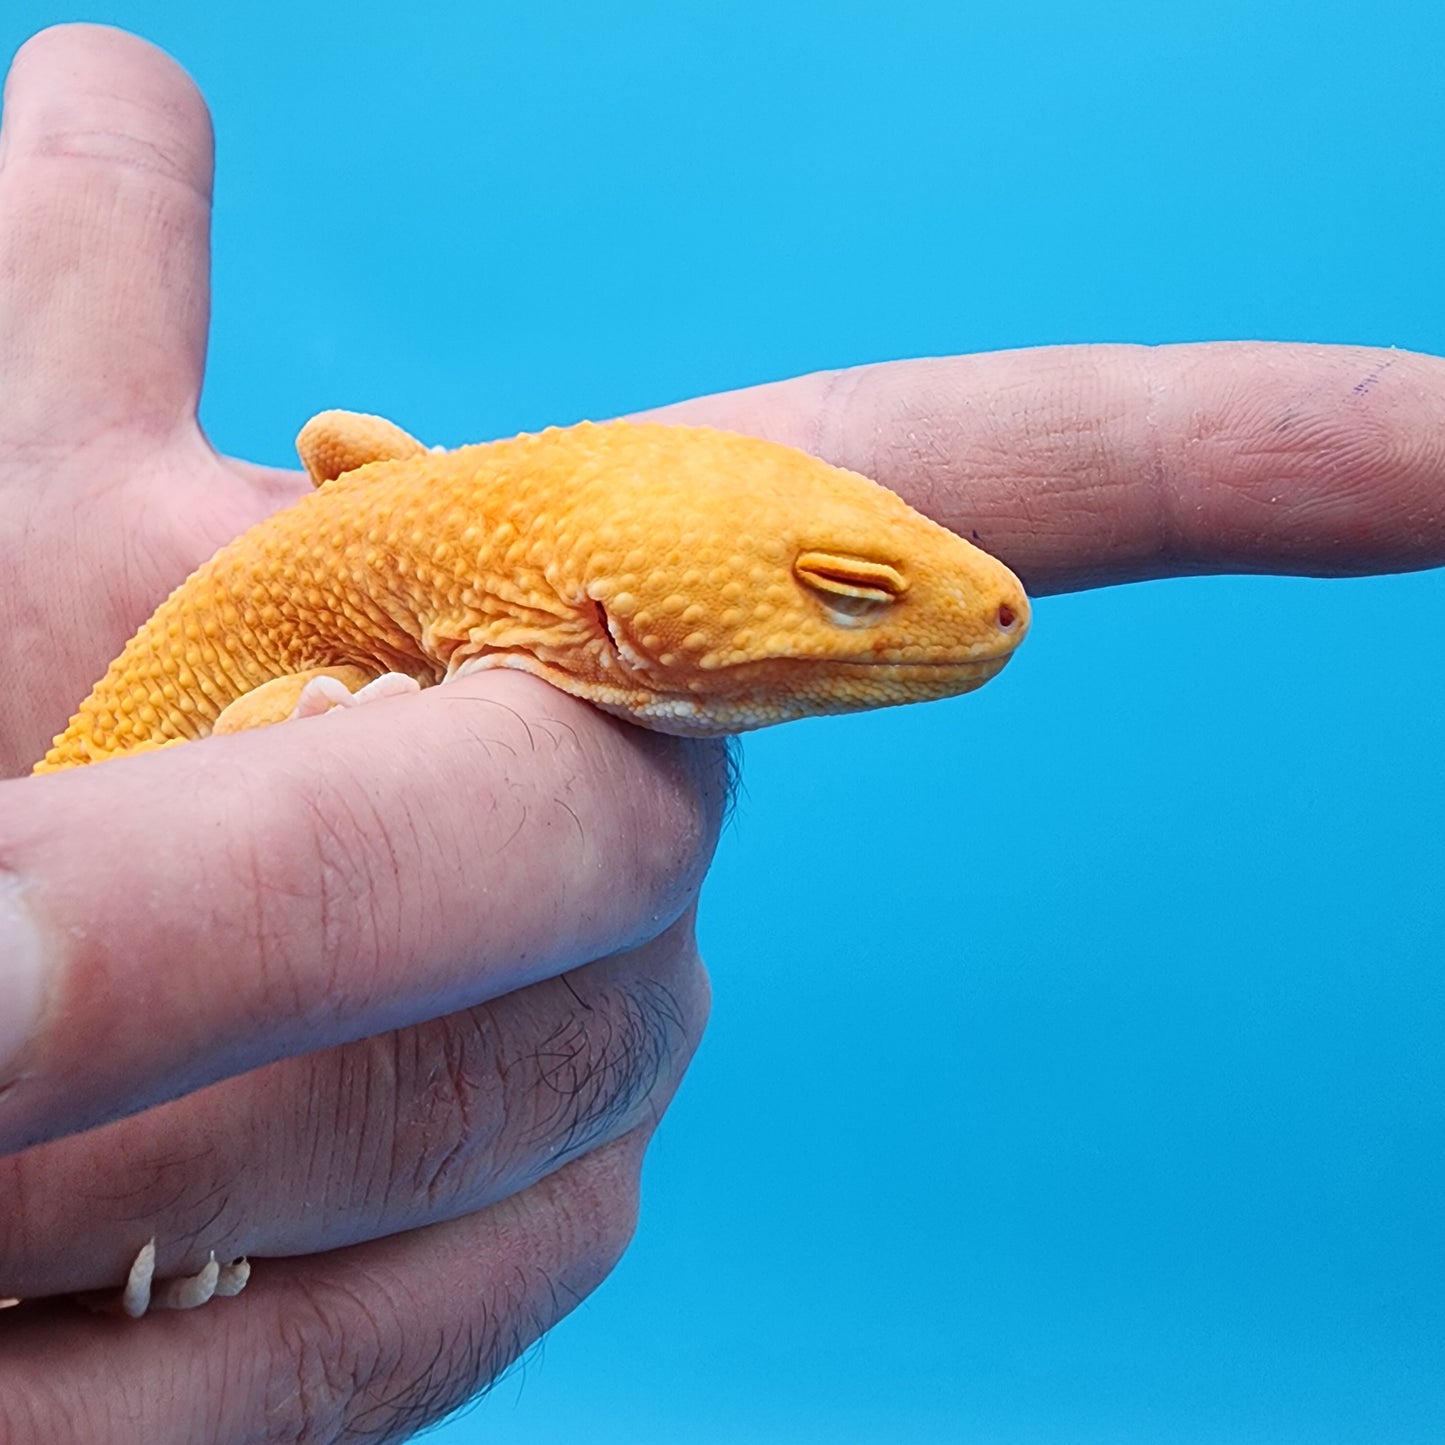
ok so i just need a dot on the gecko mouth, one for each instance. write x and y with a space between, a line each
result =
992 663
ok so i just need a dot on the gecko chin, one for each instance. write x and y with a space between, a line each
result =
874 683
837 687
980 667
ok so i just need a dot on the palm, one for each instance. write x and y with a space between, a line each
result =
95 539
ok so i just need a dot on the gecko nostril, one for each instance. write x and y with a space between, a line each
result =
1007 617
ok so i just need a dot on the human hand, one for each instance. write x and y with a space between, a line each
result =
369 937
1079 466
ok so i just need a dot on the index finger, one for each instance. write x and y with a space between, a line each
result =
180 916
1086 465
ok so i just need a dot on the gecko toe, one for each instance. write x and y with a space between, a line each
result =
189 1291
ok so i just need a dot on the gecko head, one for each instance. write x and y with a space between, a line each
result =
762 584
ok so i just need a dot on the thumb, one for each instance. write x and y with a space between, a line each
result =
105 205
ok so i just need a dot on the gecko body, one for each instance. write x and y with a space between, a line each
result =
690 580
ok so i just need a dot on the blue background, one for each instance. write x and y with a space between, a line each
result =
1076 1070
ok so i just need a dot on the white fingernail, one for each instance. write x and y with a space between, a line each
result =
21 974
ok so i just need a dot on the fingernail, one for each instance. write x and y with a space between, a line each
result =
21 974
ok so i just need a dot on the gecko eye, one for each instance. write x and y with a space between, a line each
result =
838 576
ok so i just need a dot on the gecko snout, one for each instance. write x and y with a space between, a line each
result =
1009 622
1011 618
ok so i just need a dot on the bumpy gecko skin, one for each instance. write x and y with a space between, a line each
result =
690 580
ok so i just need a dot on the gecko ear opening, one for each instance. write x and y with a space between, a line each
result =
841 576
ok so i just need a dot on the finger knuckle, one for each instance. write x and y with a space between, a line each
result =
347 1372
594 1074
450 1109
491 1099
676 815
326 1347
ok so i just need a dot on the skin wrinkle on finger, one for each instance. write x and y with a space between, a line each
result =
358 848
651 809
383 1338
123 145
1091 465
385 1134
63 94
1160 482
